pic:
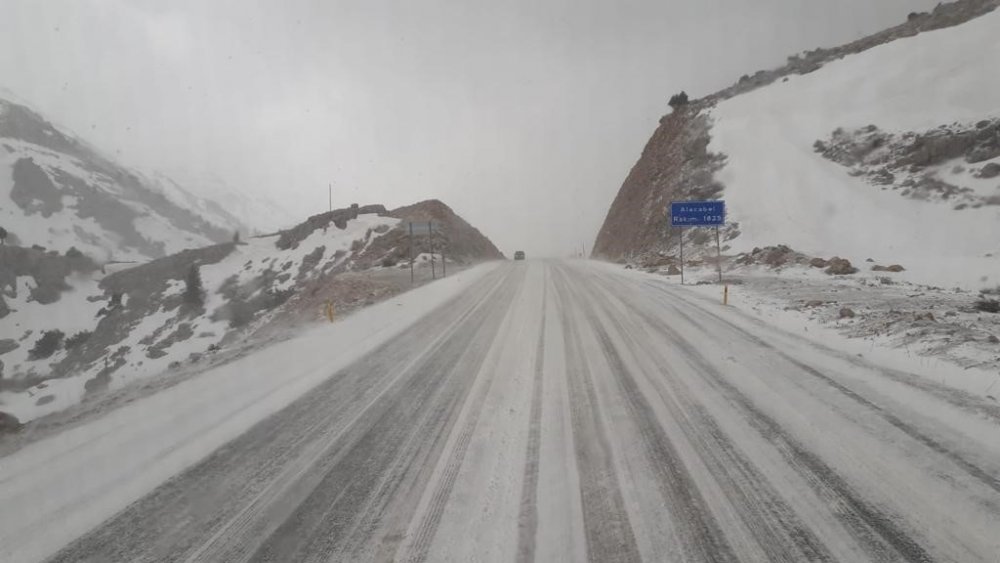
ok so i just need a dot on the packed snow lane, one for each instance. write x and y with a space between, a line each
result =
574 411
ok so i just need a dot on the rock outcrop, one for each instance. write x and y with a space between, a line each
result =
462 242
675 165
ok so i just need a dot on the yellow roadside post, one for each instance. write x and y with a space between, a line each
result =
725 295
329 310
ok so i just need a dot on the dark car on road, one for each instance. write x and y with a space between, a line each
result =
519 255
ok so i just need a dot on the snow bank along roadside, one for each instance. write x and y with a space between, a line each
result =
58 488
754 309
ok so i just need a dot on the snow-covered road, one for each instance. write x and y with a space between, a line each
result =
570 411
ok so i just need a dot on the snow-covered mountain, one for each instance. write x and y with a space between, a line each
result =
887 148
58 192
221 204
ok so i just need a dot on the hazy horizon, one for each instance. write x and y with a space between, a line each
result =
524 118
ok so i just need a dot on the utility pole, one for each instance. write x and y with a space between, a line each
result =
718 253
411 253
330 193
682 254
430 238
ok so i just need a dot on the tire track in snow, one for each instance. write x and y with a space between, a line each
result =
956 398
776 528
527 525
365 482
227 543
420 545
970 468
607 529
703 538
884 540
180 516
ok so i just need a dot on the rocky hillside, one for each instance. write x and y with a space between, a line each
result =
69 327
461 241
58 193
887 146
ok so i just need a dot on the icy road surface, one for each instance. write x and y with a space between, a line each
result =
567 411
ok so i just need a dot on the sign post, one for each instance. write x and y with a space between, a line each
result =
424 228
430 238
699 214
718 253
411 253
682 257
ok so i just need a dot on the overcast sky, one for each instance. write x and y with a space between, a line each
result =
524 115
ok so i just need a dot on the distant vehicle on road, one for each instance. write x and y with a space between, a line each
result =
519 255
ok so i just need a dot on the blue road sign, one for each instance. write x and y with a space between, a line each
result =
697 213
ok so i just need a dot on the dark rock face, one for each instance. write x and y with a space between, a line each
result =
182 333
33 190
905 162
310 261
97 384
675 165
818 263
773 257
990 170
19 122
375 208
840 267
873 147
9 423
48 269
893 268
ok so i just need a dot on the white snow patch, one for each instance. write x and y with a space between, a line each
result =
781 192
71 314
878 351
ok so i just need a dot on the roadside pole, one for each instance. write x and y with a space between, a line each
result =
411 253
682 254
718 253
444 268
430 237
